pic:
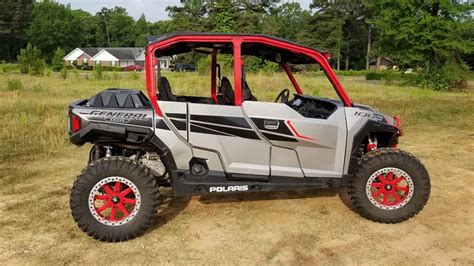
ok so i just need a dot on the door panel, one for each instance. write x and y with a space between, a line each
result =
226 131
324 155
284 162
319 143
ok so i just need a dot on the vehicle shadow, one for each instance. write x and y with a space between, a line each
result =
171 206
280 195
268 195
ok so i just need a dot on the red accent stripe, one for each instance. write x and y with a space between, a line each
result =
298 134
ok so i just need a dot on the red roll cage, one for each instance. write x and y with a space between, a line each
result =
236 40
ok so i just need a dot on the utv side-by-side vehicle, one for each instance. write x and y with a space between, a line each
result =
231 142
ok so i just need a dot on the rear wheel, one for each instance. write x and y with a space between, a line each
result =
114 199
389 186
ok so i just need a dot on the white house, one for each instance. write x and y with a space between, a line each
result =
112 57
80 56
118 57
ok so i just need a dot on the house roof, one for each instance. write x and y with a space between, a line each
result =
91 51
76 53
130 53
122 53
373 60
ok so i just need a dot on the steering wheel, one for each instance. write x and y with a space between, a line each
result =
283 96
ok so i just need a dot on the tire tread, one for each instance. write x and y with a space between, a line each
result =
366 167
101 167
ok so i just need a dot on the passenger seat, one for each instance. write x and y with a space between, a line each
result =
164 90
227 97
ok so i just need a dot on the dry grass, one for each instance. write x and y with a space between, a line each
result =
38 165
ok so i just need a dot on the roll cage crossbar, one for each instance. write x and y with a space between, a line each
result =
237 41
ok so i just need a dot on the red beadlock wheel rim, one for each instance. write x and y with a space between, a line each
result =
114 201
389 188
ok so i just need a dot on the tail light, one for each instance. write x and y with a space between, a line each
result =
398 123
75 123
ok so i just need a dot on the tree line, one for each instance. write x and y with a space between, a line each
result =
433 36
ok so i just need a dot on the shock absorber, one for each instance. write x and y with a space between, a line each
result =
372 143
108 151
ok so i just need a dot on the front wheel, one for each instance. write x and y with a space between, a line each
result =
389 186
114 199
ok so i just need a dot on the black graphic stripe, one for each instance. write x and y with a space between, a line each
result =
179 124
222 120
160 124
176 115
198 129
145 123
278 137
248 134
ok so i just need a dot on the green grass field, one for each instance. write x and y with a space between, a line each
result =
38 166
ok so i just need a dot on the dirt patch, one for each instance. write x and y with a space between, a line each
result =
308 227
269 228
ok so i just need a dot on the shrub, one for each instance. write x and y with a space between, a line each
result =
86 66
76 73
98 72
108 68
14 85
8 68
115 76
30 61
204 65
134 75
46 71
257 65
450 76
374 76
57 62
412 79
37 88
64 73
351 73
270 67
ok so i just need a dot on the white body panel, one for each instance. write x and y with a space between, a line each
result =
258 138
238 155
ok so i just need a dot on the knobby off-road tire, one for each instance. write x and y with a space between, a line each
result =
133 201
372 180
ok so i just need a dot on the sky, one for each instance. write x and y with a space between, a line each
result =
154 10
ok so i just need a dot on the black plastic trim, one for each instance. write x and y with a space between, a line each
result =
184 183
370 126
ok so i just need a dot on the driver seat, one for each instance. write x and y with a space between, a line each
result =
164 90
